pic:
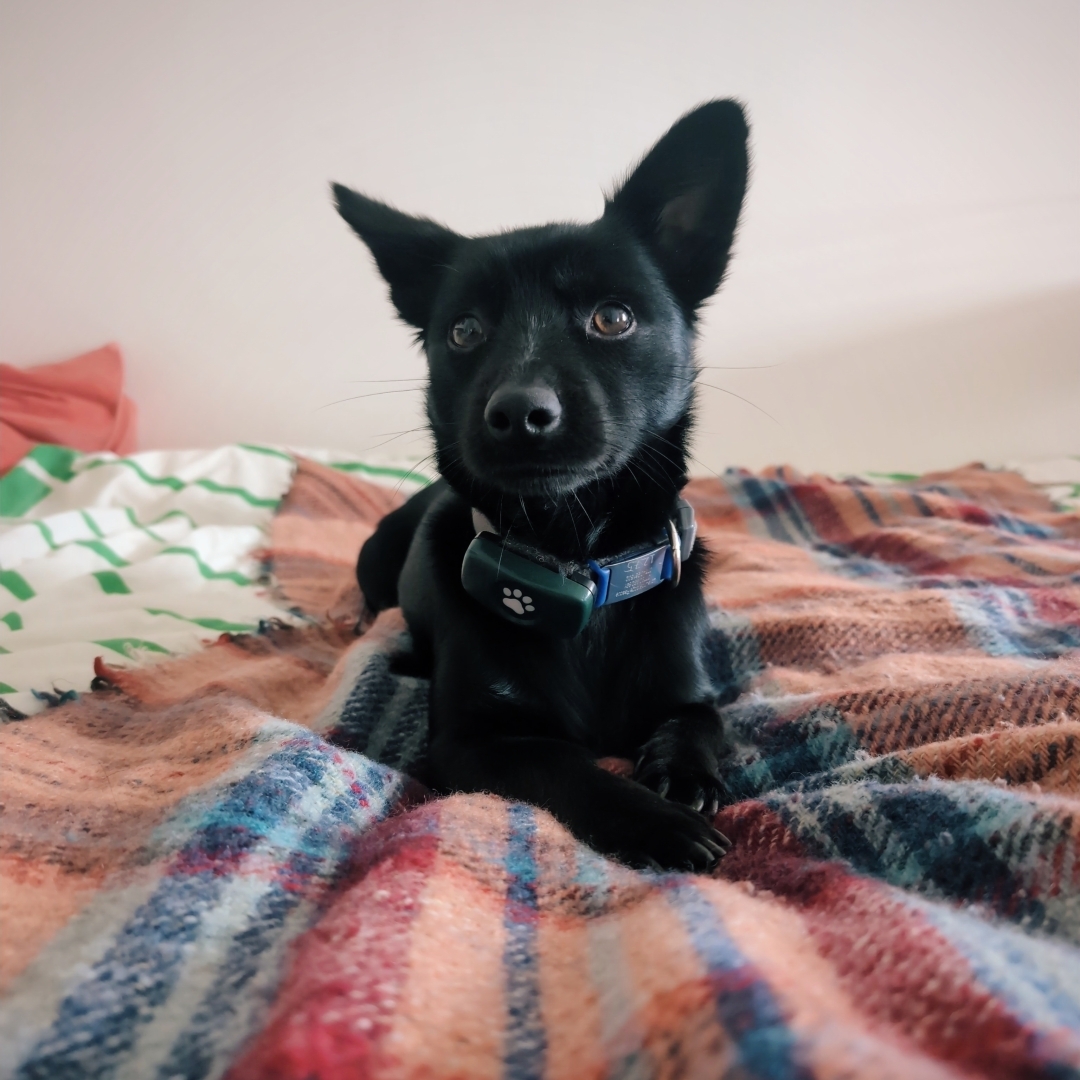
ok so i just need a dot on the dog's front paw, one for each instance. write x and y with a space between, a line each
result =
678 771
647 832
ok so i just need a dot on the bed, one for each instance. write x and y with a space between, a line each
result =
218 860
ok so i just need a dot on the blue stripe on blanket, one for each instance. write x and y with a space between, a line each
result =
970 841
745 1005
779 511
526 1041
198 1050
99 1022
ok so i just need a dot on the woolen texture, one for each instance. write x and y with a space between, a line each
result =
219 866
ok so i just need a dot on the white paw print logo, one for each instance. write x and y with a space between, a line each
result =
517 603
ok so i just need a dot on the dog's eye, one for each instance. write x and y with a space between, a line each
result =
467 332
612 320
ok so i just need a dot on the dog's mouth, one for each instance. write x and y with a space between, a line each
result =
550 474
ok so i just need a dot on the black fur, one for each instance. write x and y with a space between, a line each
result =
586 459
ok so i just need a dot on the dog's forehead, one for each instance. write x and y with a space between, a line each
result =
566 258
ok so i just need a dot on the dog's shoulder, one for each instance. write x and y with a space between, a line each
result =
431 575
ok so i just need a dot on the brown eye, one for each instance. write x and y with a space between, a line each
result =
467 332
612 320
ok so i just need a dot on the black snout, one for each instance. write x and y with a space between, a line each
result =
515 411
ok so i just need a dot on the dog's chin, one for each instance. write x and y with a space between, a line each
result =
531 481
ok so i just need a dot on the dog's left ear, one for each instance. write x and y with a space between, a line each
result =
412 253
683 200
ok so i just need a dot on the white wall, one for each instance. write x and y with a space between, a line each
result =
910 253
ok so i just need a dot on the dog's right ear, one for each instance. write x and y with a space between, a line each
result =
411 253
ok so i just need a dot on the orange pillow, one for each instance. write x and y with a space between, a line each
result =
78 403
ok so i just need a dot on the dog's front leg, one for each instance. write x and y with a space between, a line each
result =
617 817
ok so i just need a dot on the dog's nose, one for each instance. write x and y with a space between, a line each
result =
514 411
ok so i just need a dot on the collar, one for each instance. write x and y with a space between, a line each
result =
632 571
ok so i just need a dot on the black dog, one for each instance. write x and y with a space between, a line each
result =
560 399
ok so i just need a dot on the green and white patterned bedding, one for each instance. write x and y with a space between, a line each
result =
142 556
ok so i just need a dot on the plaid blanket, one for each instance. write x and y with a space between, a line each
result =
218 865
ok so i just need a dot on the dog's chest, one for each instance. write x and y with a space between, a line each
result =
608 680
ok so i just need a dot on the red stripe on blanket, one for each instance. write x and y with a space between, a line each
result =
757 833
900 547
339 998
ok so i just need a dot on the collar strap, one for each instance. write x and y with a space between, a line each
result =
634 571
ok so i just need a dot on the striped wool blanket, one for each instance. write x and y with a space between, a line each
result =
219 865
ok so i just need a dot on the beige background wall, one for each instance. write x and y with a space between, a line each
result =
909 260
